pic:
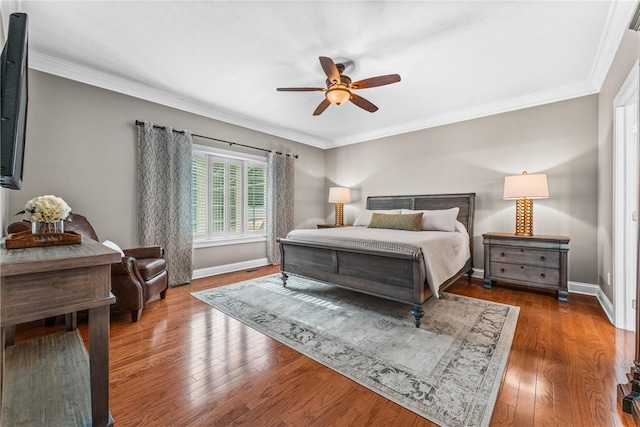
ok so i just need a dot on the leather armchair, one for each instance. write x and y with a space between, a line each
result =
139 278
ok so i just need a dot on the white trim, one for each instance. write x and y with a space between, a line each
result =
228 268
606 305
47 64
590 289
626 95
228 153
620 13
226 242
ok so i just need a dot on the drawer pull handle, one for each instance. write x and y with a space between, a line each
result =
522 266
542 276
541 258
521 250
501 253
502 270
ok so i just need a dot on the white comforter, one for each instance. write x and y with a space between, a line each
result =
444 253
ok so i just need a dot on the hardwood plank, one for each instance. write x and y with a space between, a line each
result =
185 363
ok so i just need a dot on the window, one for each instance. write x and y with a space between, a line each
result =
228 196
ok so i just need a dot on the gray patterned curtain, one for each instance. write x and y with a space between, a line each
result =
280 204
164 187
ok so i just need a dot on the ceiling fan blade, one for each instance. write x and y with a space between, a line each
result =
376 81
323 106
363 103
301 89
330 69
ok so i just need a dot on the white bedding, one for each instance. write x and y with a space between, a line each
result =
444 253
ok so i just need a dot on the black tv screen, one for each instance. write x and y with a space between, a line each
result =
13 101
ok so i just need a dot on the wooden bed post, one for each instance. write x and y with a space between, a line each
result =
417 312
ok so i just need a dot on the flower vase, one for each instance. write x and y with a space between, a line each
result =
51 227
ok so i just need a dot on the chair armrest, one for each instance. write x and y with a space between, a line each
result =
147 252
126 283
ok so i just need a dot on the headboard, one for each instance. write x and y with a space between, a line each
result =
465 201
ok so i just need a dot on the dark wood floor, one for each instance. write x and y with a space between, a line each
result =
184 363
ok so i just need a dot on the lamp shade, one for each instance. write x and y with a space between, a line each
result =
339 195
530 186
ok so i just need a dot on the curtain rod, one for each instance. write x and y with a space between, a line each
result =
295 156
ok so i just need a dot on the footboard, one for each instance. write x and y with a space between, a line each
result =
398 276
394 275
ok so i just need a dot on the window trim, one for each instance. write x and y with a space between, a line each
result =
249 236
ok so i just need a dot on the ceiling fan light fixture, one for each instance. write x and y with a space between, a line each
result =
338 95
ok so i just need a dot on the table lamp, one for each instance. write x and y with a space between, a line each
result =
339 196
524 188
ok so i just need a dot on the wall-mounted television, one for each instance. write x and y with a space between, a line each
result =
13 101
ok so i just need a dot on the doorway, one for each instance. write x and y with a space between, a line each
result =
625 202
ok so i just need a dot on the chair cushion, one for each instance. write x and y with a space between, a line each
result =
150 267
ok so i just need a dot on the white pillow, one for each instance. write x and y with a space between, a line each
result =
461 228
364 216
115 247
437 220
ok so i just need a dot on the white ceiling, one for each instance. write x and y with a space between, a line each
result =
458 60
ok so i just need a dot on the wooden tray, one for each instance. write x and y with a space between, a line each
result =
25 239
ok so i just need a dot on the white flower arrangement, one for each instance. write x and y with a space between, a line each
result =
46 209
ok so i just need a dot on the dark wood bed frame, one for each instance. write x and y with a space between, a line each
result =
398 276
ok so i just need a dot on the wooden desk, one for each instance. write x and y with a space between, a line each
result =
37 283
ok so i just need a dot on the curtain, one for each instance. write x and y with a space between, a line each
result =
164 187
280 202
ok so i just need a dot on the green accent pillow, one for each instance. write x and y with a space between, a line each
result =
409 222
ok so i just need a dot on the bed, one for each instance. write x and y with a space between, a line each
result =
396 273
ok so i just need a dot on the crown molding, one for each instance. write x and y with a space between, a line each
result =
620 13
513 104
58 67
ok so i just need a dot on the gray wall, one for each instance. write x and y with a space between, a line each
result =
81 146
628 53
558 139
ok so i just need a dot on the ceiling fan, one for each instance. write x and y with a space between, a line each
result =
339 87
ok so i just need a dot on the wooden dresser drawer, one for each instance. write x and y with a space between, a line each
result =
525 273
512 255
534 261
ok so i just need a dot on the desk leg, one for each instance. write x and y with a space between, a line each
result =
71 321
9 335
99 364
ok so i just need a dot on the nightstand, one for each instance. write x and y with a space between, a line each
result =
539 261
331 226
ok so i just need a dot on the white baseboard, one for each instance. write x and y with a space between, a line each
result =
606 305
228 268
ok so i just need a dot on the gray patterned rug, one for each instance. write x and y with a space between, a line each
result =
448 371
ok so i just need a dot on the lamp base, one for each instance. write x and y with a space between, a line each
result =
339 214
524 217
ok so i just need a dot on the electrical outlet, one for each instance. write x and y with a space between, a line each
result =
608 279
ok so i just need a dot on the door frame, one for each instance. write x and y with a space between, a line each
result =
624 171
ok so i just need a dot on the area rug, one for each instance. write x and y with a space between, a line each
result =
448 371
